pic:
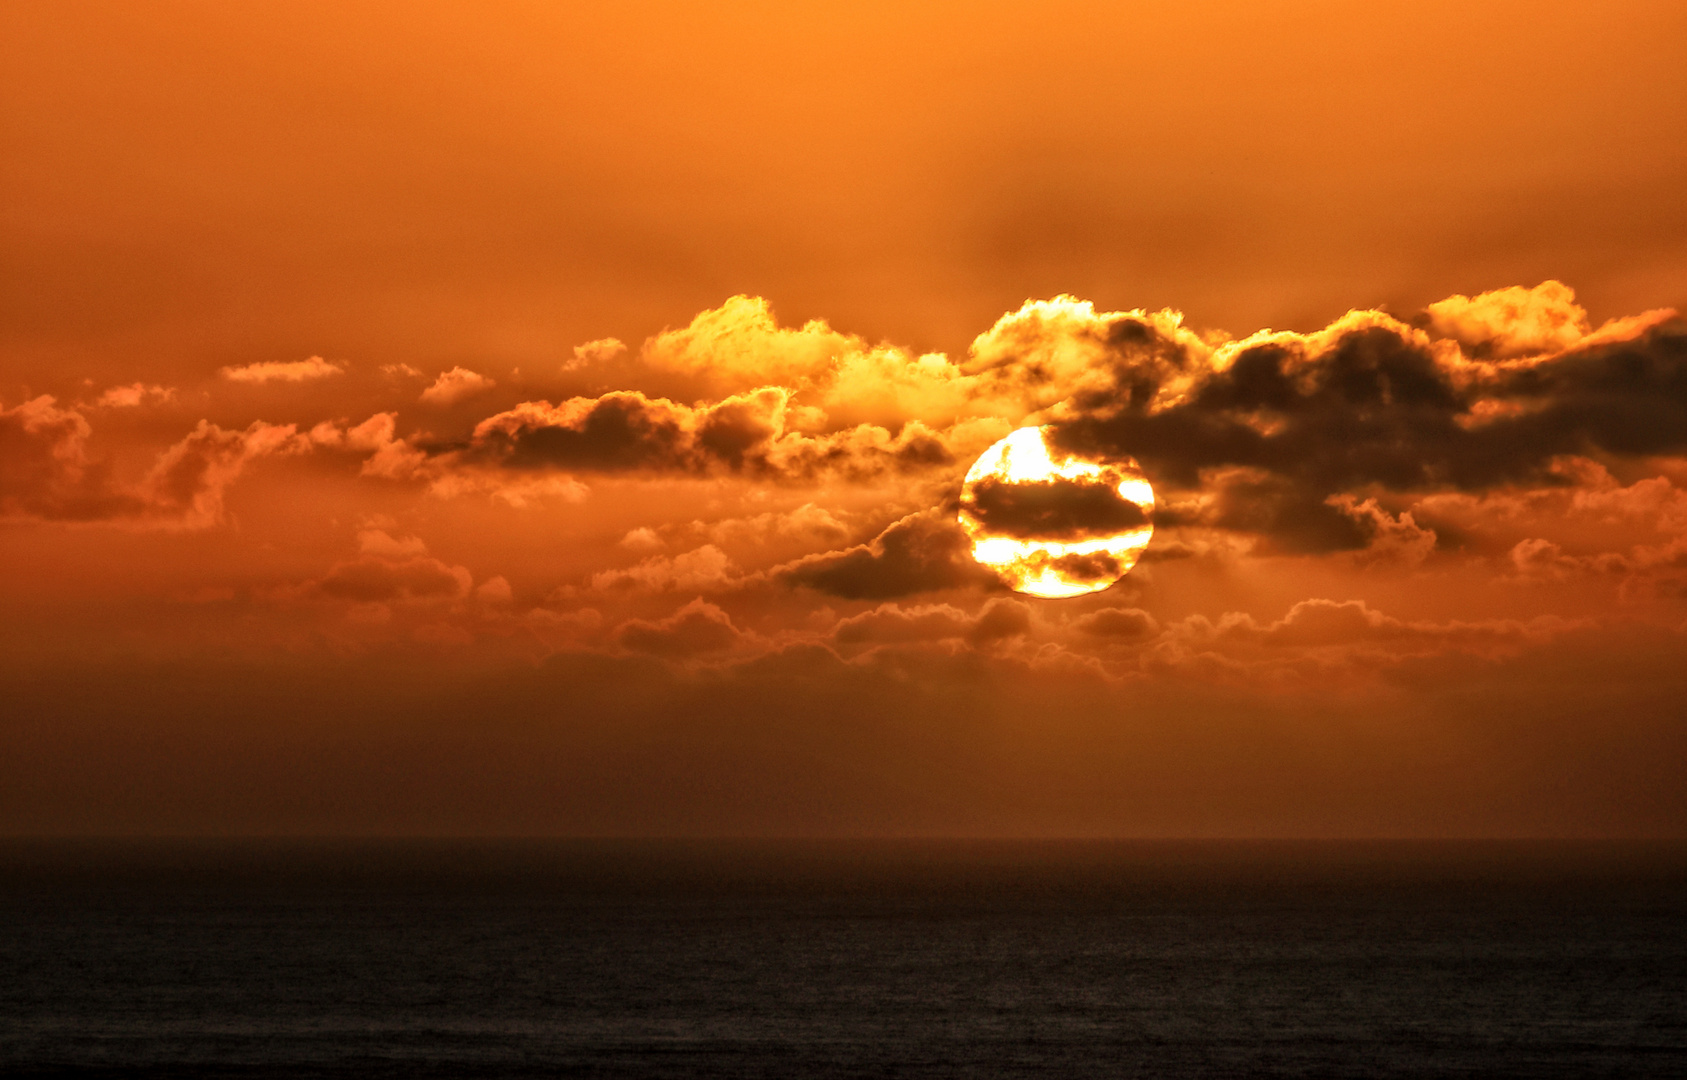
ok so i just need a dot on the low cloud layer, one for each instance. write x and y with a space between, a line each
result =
1300 442
738 550
763 487
1343 440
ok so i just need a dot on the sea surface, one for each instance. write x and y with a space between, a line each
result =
842 959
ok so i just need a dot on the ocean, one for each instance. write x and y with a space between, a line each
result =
445 958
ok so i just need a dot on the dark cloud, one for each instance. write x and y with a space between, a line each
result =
920 553
1372 408
1082 567
1294 421
626 431
1627 398
733 431
618 431
1292 518
1051 510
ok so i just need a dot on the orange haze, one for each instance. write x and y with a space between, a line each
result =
550 418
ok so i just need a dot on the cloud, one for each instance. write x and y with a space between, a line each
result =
594 352
1124 624
1512 322
1048 353
495 591
1347 626
922 552
48 474
388 570
1309 443
643 540
393 458
741 345
1062 352
455 385
283 371
1059 509
1270 432
392 584
999 619
702 569
1289 519
1359 440
134 395
390 457
519 491
808 523
1580 502
186 486
698 627
1597 494
45 469
627 432
1643 571
1390 538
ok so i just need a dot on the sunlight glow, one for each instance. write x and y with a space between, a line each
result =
1054 568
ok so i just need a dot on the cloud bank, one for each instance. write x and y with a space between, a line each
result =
812 478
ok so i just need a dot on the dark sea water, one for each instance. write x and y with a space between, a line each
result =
668 959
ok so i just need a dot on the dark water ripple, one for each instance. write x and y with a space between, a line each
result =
842 959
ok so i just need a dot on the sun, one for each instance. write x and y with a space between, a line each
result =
1052 524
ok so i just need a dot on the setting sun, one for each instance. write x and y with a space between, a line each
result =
1055 528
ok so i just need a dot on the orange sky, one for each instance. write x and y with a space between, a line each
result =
536 418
